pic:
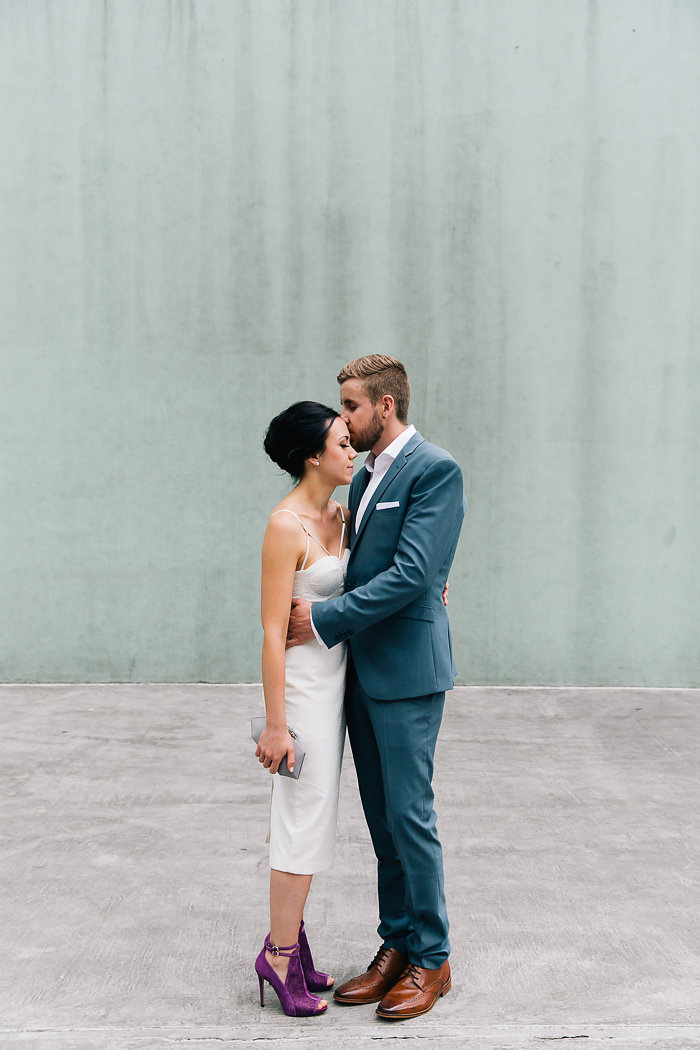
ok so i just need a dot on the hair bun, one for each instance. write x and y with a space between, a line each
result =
275 445
297 433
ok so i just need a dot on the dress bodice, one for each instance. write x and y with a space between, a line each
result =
322 579
325 578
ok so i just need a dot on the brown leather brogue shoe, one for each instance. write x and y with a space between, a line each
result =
416 992
384 970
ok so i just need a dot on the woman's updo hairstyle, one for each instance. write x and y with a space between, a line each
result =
297 433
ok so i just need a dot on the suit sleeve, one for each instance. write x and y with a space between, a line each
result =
430 528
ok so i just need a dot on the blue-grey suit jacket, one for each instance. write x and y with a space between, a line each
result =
393 614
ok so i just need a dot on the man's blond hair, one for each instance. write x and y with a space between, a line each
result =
380 375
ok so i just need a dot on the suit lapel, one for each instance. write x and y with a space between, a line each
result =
358 486
395 468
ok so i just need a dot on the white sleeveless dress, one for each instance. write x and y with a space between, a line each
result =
303 812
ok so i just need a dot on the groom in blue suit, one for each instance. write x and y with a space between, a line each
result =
407 505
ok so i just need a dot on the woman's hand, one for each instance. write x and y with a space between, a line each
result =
444 593
273 745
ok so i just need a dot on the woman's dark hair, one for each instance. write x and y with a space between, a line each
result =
297 433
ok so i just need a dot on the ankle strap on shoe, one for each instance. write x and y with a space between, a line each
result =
288 951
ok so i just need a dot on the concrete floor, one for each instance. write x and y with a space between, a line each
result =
134 873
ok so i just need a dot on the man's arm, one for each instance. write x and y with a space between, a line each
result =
432 523
300 628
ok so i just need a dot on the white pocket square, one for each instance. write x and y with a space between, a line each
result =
386 506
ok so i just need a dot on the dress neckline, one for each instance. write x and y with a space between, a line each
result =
325 557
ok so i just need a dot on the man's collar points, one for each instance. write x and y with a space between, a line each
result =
393 448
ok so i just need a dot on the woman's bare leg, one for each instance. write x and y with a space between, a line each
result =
288 895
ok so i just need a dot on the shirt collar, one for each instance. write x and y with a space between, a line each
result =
385 458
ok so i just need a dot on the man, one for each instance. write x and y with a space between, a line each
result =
407 506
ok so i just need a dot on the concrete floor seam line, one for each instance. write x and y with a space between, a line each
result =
529 1031
515 687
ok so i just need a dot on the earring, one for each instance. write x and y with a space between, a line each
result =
315 462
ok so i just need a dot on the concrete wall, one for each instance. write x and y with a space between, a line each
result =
207 206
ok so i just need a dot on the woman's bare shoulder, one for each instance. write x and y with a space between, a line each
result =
283 518
284 525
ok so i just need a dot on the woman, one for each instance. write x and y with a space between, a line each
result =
305 554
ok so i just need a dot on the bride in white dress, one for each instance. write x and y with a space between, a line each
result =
305 554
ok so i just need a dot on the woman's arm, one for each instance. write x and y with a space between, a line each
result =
280 555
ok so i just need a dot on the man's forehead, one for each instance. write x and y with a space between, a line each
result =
352 390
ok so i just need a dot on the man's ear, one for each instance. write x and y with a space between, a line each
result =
387 405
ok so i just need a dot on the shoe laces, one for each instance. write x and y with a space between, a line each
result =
379 958
414 972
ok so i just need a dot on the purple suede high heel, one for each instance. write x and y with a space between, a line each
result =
292 993
315 980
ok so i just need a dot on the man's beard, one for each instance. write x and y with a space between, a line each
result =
364 440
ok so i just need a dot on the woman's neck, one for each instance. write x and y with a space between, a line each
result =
313 494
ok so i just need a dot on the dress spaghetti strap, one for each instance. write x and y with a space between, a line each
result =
310 535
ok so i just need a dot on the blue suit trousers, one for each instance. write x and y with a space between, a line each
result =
393 746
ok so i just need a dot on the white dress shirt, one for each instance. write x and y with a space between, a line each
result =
377 467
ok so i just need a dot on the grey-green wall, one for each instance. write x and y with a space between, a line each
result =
208 206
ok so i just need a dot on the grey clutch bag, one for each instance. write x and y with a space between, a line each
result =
256 727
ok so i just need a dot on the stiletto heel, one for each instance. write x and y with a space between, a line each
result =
292 992
315 980
262 990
